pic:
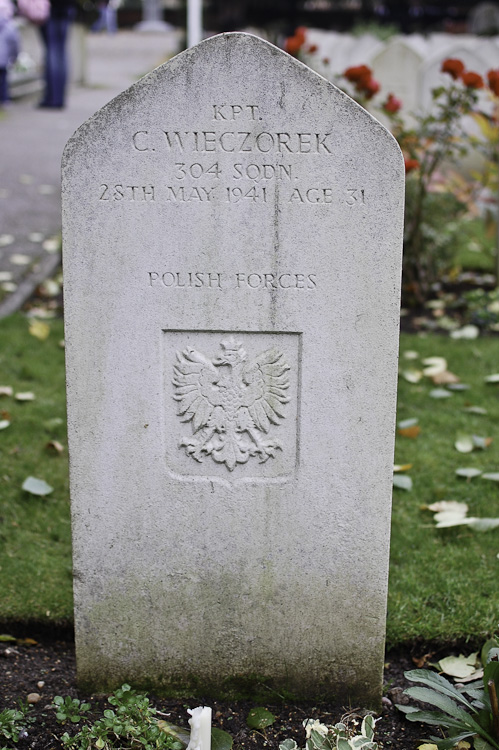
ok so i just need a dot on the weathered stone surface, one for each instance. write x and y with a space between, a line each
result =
232 239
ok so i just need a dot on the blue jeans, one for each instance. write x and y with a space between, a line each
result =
54 34
4 92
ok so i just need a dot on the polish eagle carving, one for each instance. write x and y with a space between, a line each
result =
231 401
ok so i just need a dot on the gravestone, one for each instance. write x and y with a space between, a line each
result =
232 252
397 66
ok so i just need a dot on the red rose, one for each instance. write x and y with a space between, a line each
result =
293 45
370 88
301 33
493 79
453 67
357 73
392 104
472 80
410 164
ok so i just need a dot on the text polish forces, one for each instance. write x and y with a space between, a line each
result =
201 279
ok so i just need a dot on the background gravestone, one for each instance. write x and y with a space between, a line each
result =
232 238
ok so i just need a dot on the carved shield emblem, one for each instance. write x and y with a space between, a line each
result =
233 404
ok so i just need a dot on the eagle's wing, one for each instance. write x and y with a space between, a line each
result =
267 383
194 378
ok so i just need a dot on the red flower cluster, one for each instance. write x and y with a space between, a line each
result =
472 80
456 69
493 81
293 44
453 67
410 164
362 77
392 104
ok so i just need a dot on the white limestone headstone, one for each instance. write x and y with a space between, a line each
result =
232 253
398 66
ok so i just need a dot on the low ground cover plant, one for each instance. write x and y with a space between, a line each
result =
467 712
13 723
345 735
131 723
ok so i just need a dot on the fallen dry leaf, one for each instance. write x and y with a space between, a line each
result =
421 662
434 366
410 432
445 378
51 245
467 332
458 666
55 446
402 467
35 237
448 505
412 376
20 260
6 239
39 329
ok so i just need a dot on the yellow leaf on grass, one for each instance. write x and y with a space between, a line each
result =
428 746
448 505
412 376
402 467
464 444
410 432
445 378
39 329
434 366
55 446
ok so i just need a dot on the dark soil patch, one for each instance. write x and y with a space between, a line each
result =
25 664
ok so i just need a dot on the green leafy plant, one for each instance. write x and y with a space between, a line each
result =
69 709
341 736
130 724
475 716
259 718
14 722
483 308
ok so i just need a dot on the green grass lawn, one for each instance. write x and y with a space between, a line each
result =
443 583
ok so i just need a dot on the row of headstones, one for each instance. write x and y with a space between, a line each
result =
407 66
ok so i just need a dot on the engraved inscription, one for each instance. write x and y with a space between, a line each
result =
232 402
232 142
126 192
201 279
235 111
236 160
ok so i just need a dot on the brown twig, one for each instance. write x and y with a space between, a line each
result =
495 707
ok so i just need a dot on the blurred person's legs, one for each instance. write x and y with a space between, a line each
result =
4 92
111 19
54 34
